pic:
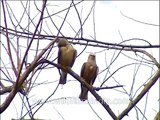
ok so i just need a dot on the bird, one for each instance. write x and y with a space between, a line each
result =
66 57
89 73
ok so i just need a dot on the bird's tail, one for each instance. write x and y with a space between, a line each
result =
84 94
63 78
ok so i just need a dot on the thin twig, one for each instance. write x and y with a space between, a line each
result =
138 20
94 43
102 88
8 40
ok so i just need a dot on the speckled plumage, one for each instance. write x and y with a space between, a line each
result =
89 73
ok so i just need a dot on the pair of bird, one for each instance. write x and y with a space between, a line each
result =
66 58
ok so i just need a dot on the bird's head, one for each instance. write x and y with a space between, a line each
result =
62 42
92 56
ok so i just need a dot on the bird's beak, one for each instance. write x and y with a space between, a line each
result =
57 40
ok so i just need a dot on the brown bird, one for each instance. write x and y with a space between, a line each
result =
66 57
89 73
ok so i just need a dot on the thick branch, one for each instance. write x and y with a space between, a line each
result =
9 89
89 87
140 96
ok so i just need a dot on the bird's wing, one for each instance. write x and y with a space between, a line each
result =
83 69
73 57
59 56
96 69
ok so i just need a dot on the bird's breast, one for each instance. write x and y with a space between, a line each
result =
67 55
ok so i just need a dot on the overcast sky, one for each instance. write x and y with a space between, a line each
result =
109 24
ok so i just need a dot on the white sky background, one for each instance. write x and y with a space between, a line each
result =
108 23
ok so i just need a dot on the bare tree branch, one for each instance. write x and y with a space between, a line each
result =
138 20
89 87
89 42
22 78
104 104
146 88
22 70
8 40
102 88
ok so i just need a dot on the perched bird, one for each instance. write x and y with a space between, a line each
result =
66 57
89 73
